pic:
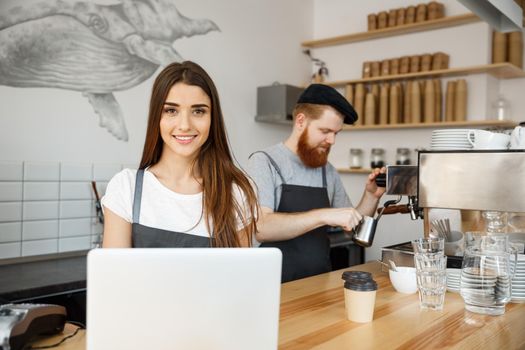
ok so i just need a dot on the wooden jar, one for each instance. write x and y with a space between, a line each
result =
370 109
410 15
499 47
421 13
372 21
449 101
400 16
515 40
382 20
359 101
383 104
460 101
392 18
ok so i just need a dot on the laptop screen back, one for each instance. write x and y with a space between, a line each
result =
189 298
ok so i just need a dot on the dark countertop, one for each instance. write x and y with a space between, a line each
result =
28 280
23 281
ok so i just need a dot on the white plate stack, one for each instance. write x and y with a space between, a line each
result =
453 278
450 139
518 282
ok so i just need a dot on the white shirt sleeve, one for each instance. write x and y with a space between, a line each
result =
119 194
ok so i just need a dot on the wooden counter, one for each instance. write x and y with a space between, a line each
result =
313 316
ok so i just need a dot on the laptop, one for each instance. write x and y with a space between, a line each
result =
183 298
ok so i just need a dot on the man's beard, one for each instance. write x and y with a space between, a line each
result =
312 157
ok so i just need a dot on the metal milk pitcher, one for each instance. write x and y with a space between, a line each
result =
487 270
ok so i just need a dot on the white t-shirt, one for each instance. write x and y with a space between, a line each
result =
160 207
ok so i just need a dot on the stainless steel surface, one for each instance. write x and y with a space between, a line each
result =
275 103
502 15
401 180
365 232
401 255
475 180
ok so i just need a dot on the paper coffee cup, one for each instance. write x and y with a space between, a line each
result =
360 298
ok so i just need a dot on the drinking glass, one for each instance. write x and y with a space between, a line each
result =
431 279
428 245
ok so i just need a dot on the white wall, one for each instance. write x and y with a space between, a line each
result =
256 46
467 45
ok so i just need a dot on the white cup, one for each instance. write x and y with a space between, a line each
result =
455 244
481 139
517 138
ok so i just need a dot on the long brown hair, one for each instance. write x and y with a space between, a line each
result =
214 163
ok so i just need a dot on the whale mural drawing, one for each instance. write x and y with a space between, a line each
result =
91 48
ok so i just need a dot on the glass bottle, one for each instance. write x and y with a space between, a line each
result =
501 109
403 156
495 222
377 158
356 158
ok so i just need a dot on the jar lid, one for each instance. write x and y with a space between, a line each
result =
356 150
361 285
378 150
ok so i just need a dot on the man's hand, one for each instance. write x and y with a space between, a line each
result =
371 187
347 218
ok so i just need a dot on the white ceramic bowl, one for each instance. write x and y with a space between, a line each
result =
404 280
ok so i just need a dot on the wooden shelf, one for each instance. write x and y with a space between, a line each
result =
354 171
481 123
444 22
497 70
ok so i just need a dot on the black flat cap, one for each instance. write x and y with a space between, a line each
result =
320 94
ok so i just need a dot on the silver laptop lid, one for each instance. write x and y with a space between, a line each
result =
189 298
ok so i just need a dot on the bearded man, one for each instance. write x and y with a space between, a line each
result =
301 193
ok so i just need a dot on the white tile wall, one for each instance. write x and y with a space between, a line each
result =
41 191
10 211
11 171
75 227
75 209
10 250
32 230
76 172
45 246
48 207
10 191
40 210
10 232
74 243
76 190
40 171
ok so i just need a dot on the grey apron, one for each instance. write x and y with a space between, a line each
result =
150 237
308 254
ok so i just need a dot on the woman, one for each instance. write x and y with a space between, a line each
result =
187 191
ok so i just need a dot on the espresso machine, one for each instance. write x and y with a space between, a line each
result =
478 180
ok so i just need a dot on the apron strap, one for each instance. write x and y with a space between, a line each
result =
138 195
274 164
324 177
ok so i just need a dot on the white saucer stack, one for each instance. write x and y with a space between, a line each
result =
518 282
453 278
450 139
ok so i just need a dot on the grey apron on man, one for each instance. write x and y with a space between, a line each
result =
308 254
150 237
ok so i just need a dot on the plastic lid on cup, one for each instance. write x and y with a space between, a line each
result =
360 275
361 285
